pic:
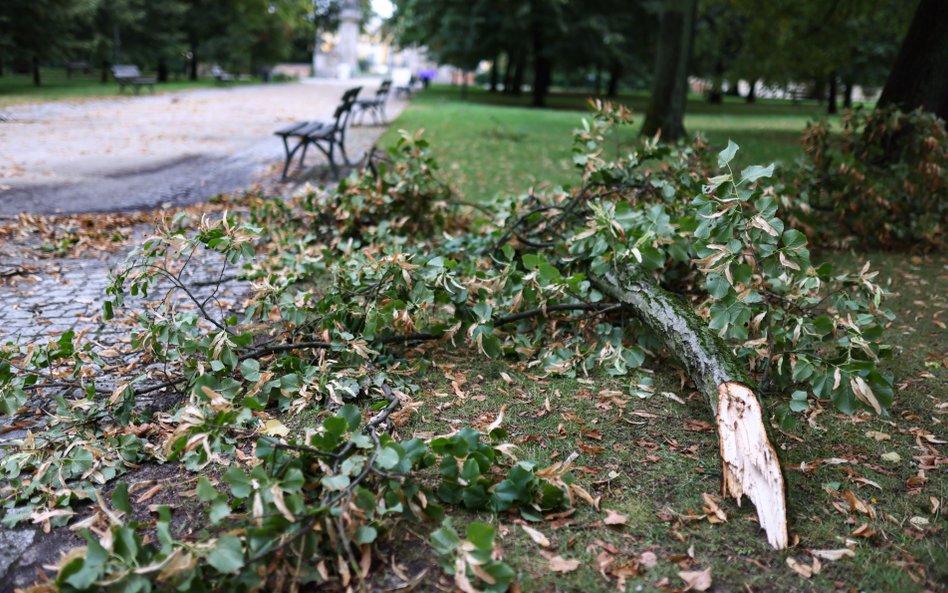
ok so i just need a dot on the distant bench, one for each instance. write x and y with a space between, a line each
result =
129 75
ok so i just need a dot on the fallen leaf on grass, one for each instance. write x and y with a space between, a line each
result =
714 513
560 564
614 518
536 536
648 559
833 555
804 570
891 457
275 428
697 580
879 436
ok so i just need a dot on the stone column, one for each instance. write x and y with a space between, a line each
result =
350 15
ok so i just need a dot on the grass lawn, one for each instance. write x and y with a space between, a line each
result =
19 88
651 459
492 142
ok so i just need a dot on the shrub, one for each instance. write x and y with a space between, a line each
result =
884 178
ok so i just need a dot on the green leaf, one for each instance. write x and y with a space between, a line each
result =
120 498
365 534
727 155
228 555
250 370
387 458
205 490
755 172
351 414
335 482
481 535
445 540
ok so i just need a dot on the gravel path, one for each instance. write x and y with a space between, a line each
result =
143 152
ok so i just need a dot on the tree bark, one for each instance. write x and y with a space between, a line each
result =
36 71
716 95
193 75
919 78
615 74
847 94
494 74
542 67
832 107
508 73
519 71
666 110
163 70
751 96
749 461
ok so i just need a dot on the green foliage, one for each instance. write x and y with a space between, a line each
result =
884 177
355 291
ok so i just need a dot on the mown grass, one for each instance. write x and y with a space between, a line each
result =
19 88
491 143
651 459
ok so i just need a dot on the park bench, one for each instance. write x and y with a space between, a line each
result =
129 75
71 67
374 105
324 135
221 75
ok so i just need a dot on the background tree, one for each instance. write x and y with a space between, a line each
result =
44 29
919 77
666 109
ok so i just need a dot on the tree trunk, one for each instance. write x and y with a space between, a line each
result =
919 77
749 461
162 70
1 65
598 80
832 106
508 74
193 75
36 71
732 90
494 74
542 66
716 95
519 72
847 94
666 110
615 74
105 72
751 93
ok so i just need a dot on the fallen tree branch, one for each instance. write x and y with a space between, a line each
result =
749 461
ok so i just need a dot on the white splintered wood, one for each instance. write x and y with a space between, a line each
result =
750 463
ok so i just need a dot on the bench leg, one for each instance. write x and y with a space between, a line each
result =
289 156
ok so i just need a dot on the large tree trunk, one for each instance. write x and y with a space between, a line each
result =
666 110
919 77
36 71
542 66
847 94
832 107
615 74
749 461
